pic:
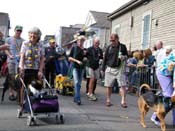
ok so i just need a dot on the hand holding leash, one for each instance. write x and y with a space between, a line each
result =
21 72
79 62
4 47
40 75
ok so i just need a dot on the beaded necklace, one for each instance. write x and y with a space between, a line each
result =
32 55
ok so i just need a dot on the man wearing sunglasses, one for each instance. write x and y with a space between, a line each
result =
15 43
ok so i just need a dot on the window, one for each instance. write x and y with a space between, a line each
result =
146 25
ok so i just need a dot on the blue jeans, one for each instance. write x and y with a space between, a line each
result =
77 77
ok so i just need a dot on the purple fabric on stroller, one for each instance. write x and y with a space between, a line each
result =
45 106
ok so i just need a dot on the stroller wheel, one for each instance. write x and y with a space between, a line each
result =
61 119
56 119
31 121
19 113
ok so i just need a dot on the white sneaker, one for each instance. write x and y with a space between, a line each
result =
155 122
87 94
92 97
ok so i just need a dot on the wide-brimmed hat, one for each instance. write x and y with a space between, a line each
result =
81 37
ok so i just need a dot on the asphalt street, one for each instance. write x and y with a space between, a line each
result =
90 116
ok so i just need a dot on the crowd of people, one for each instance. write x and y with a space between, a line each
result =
31 60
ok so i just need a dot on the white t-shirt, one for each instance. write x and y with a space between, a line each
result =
159 55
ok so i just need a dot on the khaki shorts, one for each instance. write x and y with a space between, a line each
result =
94 73
114 73
12 68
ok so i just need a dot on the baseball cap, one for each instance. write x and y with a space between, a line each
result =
18 27
51 40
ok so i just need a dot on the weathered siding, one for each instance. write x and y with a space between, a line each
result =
4 23
104 37
162 10
165 14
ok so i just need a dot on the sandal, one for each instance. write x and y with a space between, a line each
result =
108 104
12 98
124 105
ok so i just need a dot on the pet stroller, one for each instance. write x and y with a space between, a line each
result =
46 103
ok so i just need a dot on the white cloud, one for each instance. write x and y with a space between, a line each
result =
49 15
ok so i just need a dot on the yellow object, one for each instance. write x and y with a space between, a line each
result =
29 51
52 40
64 84
170 66
36 56
30 65
29 58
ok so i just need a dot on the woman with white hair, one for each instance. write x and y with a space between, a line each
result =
32 58
166 75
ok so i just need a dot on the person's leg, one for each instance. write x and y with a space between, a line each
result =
47 73
122 83
173 116
12 96
61 67
91 85
95 85
76 75
108 96
80 77
123 97
11 71
94 74
52 77
87 84
90 91
66 66
108 83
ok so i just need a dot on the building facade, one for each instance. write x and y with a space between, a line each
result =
97 24
4 24
140 23
66 34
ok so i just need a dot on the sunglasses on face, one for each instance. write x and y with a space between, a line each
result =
112 40
19 30
167 53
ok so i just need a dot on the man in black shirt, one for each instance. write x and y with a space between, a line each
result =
94 54
114 67
50 67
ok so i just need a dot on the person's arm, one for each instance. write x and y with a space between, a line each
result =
7 51
101 54
105 59
124 53
21 61
4 47
75 60
71 57
173 94
21 64
41 65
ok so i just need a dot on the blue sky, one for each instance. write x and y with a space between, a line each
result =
49 15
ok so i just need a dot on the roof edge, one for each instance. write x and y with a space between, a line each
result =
126 7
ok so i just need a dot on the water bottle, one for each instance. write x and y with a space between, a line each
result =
119 54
